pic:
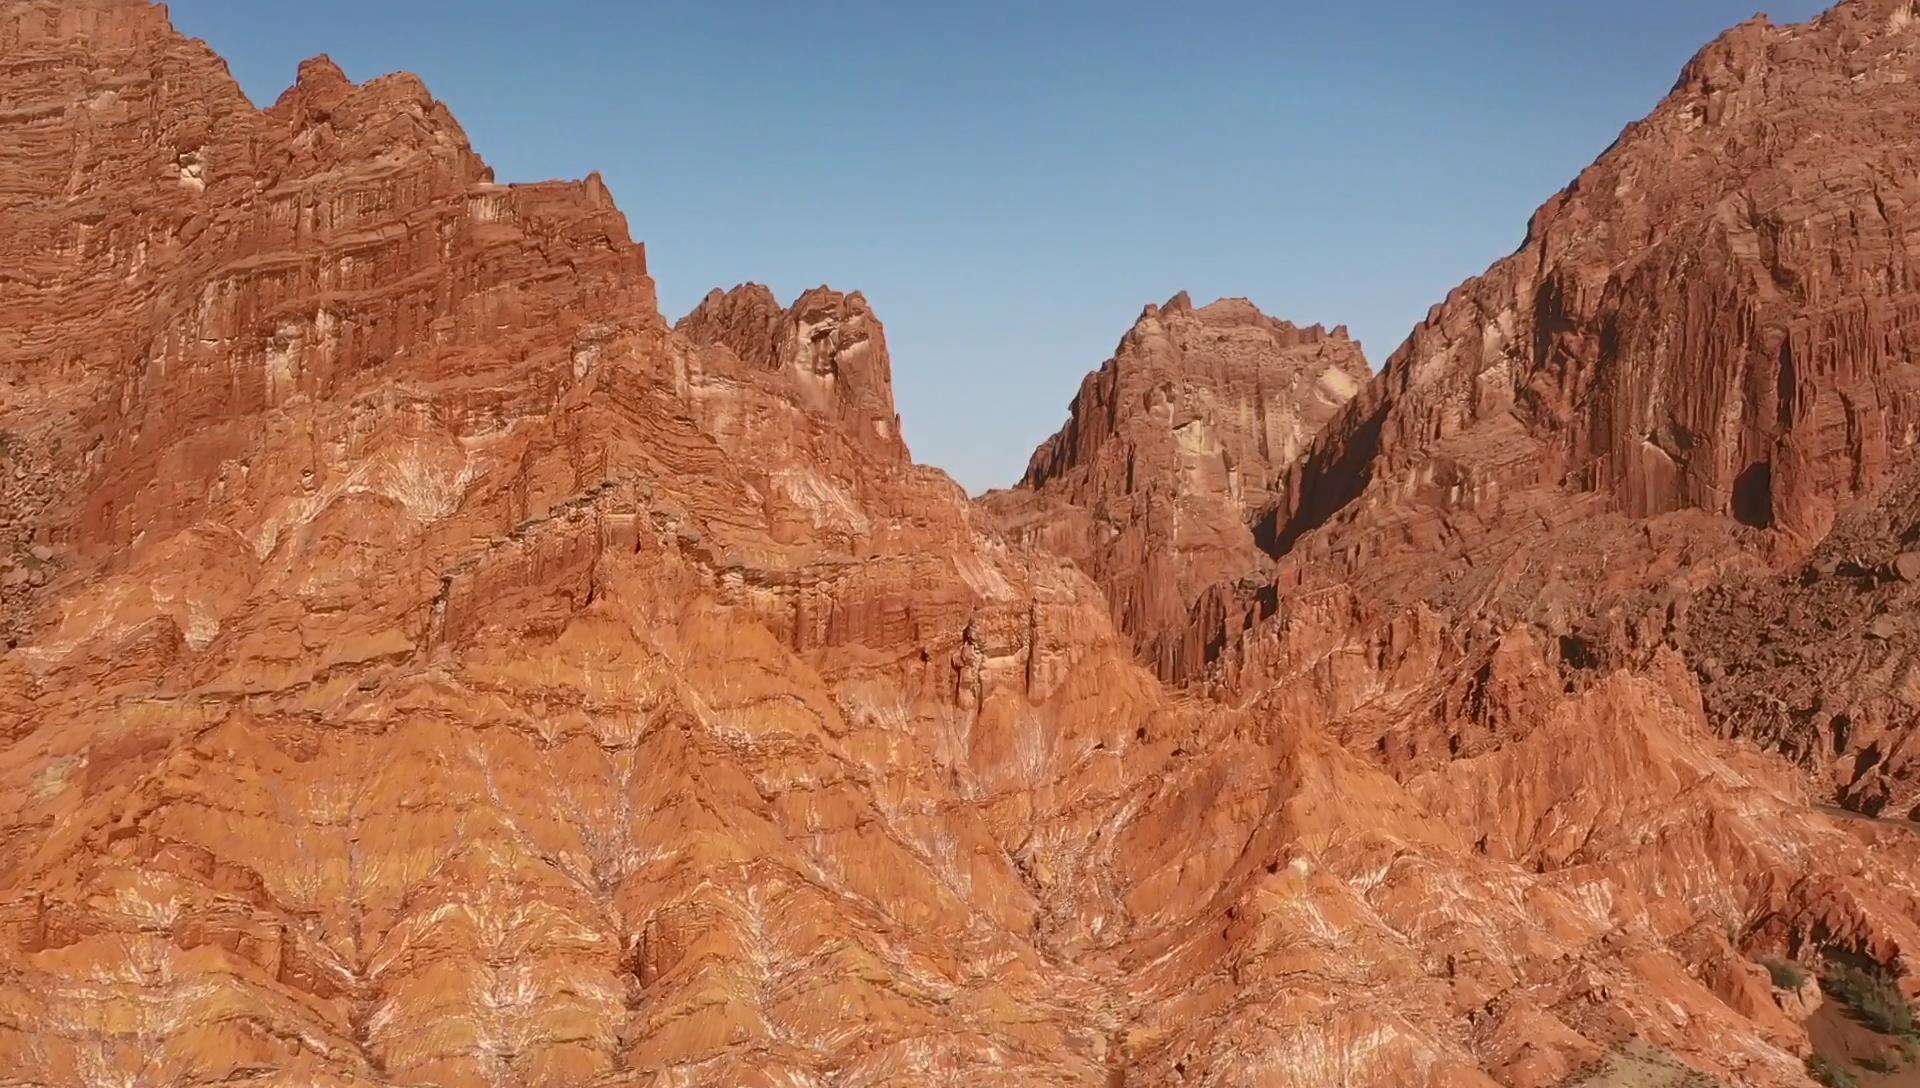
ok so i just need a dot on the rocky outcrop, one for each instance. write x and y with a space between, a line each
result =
1169 450
439 670
828 347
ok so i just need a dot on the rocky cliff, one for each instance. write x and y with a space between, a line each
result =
1169 450
429 666
1702 357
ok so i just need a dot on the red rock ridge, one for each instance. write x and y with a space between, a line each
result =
271 258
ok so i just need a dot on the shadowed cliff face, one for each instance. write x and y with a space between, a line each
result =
429 667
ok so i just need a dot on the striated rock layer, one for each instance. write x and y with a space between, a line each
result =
433 668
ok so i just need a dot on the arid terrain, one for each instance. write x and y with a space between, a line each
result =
423 662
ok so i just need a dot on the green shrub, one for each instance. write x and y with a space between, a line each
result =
1831 1073
1787 974
1873 994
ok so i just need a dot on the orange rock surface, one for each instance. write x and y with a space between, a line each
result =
431 667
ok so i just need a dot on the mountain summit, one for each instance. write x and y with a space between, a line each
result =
1170 448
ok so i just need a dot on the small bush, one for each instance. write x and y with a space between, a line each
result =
1874 995
1787 975
1831 1073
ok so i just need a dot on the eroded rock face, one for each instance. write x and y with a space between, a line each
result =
1170 449
442 671
396 533
1718 316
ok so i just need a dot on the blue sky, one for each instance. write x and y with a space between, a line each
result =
1010 182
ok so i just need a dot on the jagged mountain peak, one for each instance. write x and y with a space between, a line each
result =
827 344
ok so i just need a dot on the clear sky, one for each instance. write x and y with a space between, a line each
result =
1009 182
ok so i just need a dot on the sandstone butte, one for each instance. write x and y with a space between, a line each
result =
427 665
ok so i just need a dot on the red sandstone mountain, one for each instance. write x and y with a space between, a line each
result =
433 668
1170 447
